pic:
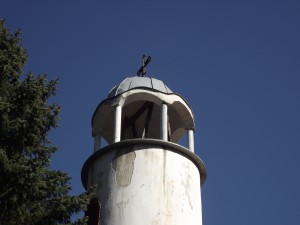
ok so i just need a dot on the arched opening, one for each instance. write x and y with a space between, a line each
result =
143 114
140 119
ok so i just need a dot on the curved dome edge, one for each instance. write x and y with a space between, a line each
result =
139 82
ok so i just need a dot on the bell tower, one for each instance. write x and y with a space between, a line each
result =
143 176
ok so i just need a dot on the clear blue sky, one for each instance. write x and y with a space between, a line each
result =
237 63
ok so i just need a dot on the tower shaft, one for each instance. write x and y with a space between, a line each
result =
143 176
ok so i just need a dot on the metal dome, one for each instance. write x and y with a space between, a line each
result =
139 82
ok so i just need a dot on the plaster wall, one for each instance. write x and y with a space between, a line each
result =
144 184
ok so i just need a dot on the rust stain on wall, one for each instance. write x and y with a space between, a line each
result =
123 165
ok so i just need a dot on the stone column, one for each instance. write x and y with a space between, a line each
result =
190 140
97 143
118 118
164 122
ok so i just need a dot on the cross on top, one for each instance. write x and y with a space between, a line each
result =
142 71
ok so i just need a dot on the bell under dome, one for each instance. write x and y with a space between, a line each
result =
141 83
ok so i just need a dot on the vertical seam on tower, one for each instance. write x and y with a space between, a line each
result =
151 83
130 84
119 87
166 88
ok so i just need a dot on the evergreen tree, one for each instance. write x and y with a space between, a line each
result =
30 193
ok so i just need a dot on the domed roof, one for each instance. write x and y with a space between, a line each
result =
139 82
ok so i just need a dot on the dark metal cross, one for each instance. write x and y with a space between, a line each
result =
142 71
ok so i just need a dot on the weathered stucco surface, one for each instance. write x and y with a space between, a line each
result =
147 185
123 165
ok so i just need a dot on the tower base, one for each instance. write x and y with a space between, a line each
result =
146 181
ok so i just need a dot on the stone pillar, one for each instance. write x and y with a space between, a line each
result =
118 118
190 140
164 122
97 143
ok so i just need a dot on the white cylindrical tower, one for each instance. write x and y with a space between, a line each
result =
143 176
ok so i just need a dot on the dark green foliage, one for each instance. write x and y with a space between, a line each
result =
30 193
